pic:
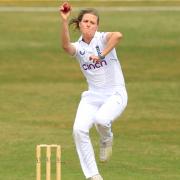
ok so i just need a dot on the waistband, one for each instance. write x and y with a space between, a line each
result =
107 90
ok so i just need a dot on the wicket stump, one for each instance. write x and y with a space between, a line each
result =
48 161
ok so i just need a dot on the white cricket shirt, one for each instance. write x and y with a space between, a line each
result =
104 75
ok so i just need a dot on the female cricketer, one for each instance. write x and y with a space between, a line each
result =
106 97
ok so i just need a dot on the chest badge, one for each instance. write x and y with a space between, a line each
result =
82 53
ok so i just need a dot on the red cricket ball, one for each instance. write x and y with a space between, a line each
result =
66 7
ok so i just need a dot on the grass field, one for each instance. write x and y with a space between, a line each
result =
40 89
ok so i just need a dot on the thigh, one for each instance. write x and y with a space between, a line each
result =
111 109
85 115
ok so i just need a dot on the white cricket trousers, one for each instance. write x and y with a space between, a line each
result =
99 109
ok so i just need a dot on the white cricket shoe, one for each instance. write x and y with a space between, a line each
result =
105 153
96 177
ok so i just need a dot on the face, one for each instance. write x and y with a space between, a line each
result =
88 25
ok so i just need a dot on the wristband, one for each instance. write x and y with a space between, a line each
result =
101 56
99 53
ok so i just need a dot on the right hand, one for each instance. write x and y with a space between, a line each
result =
64 16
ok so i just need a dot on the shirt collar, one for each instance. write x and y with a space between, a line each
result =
81 39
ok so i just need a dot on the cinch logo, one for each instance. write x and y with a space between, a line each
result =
94 66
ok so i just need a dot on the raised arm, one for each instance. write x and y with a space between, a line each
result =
65 37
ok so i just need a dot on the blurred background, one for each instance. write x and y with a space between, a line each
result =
40 88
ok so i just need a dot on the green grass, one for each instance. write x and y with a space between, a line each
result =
40 89
93 3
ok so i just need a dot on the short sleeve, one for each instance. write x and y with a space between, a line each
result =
75 44
103 37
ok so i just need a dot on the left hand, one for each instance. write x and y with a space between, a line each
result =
94 58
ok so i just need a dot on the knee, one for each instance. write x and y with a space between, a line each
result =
102 120
78 133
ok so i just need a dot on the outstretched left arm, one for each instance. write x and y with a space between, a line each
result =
112 39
